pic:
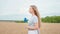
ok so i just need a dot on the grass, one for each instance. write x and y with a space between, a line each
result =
19 28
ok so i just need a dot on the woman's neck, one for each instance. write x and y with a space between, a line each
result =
33 14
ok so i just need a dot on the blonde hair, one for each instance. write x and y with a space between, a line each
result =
37 14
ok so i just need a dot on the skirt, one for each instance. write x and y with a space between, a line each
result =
33 32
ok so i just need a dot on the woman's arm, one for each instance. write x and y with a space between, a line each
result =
33 28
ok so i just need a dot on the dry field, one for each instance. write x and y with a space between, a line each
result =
19 28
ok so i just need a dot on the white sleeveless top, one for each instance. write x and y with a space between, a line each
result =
31 23
32 20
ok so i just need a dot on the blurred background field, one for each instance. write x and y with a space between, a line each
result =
49 25
19 28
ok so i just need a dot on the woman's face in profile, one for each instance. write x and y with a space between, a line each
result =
30 10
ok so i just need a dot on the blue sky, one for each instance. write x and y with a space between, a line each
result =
18 9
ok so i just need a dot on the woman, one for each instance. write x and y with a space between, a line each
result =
34 22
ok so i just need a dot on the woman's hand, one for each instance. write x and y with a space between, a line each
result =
26 27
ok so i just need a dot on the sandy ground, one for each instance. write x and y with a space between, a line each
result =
19 28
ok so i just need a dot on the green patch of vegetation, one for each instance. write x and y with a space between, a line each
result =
51 19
